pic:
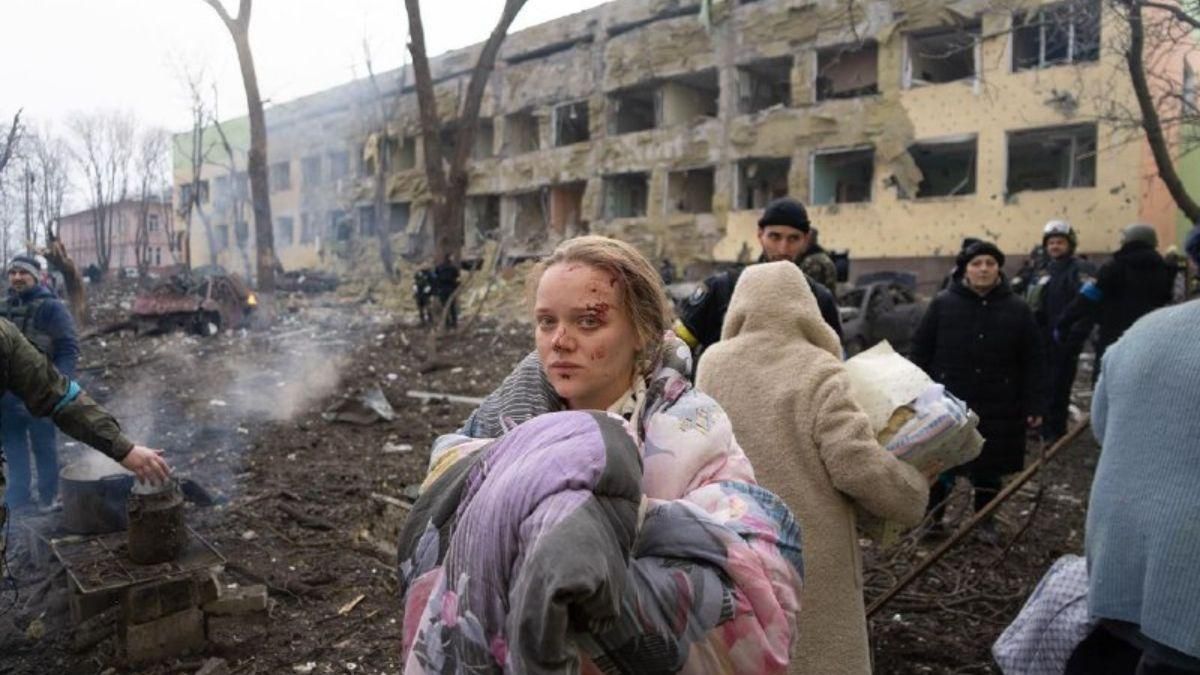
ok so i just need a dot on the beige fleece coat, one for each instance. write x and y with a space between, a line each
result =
777 372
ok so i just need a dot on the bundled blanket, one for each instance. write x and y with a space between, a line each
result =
582 541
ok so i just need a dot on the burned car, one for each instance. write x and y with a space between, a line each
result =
881 306
204 301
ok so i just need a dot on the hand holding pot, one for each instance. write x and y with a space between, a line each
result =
147 464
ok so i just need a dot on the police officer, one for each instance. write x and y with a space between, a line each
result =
783 233
1050 291
45 321
1134 283
48 393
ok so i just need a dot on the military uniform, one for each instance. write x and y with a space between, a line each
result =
27 372
820 267
703 313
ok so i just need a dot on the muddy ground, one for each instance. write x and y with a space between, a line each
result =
311 506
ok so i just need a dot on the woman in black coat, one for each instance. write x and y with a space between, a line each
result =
980 340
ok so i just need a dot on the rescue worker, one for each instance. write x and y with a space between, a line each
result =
783 232
1050 292
44 320
817 263
1134 283
446 285
48 393
980 340
423 283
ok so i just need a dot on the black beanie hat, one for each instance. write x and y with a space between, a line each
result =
977 249
968 242
785 211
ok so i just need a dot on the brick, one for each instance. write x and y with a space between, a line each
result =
240 600
156 599
209 588
84 607
170 636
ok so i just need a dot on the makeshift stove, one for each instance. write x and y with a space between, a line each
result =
158 609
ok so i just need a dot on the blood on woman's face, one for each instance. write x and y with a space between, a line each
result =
585 337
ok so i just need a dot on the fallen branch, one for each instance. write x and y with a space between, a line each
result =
979 517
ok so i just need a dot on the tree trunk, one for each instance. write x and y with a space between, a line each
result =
1150 119
449 192
382 221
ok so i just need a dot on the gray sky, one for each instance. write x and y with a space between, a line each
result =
60 56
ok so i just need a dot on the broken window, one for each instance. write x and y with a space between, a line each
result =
761 180
482 213
848 71
520 133
763 84
308 228
340 225
398 216
1068 32
402 153
943 55
566 207
625 195
339 164
310 170
241 230
631 110
842 176
221 237
366 221
485 140
284 231
571 123
690 191
448 137
684 98
947 167
220 189
280 175
1052 158
530 215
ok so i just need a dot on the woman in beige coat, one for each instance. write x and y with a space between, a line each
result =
777 371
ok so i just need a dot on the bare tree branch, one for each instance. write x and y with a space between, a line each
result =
10 143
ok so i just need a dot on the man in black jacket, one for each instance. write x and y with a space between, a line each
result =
1134 283
784 233
980 340
1050 291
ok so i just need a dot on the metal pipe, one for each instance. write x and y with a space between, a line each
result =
980 516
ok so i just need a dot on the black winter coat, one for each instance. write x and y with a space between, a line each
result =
987 351
1134 283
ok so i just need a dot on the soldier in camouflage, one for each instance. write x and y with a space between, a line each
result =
27 372
817 264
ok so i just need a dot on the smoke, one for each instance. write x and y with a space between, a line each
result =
92 465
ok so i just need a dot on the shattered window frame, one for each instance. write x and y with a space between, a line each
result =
527 122
708 178
1083 24
971 31
825 93
1080 141
280 176
844 156
947 146
744 198
638 204
647 96
581 128
755 91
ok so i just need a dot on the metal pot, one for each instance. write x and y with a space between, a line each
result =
157 533
93 505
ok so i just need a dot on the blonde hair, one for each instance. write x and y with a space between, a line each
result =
642 295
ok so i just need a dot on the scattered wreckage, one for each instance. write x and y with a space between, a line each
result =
204 301
881 306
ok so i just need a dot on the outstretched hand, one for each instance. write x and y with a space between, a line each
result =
147 464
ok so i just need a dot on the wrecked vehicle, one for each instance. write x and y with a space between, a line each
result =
204 301
881 306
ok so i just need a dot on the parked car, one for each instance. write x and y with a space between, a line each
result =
881 306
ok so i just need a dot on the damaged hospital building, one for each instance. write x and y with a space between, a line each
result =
906 125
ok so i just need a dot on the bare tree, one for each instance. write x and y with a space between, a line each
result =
448 184
383 110
197 151
51 159
152 181
264 236
12 137
104 150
